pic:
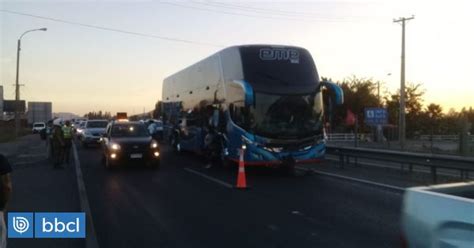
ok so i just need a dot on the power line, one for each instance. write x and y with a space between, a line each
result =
280 12
311 15
112 29
249 15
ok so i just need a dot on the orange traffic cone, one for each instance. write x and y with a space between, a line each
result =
241 181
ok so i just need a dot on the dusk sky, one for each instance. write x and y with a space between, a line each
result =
80 68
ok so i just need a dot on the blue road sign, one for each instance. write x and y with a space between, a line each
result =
375 116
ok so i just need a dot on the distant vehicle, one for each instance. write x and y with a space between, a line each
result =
265 97
129 142
76 122
92 132
38 126
79 128
121 116
39 112
439 216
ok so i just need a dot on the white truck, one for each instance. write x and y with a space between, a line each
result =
440 216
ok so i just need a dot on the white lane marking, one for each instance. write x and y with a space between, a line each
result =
396 188
91 239
209 178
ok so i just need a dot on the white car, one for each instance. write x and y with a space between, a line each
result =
93 131
439 216
38 126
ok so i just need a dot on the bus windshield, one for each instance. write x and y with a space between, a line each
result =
287 116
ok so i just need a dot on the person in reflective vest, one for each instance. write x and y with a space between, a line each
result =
57 140
67 134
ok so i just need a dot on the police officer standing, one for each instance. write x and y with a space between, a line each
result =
58 143
67 135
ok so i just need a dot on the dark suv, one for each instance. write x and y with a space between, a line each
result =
129 142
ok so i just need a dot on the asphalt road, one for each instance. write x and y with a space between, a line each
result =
184 205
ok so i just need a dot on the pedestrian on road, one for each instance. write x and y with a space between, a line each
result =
58 143
211 147
151 128
5 192
49 139
67 134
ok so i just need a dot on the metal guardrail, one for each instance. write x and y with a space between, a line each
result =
432 161
444 137
347 136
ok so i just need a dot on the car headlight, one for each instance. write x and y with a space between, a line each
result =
114 146
154 144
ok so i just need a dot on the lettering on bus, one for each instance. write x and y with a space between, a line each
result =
280 54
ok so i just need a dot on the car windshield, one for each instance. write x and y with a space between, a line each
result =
96 124
287 116
129 130
38 125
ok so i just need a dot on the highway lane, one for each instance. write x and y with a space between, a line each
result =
173 207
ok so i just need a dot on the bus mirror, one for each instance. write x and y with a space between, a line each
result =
246 91
335 89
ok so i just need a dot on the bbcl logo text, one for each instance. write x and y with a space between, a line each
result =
46 225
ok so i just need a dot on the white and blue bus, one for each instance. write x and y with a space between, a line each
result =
266 97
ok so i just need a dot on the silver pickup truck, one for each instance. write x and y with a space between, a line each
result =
440 216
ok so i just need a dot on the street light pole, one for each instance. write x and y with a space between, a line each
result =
17 84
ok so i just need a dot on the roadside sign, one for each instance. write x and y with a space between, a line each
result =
10 106
375 116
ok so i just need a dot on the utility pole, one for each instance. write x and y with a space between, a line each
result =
17 90
378 92
401 121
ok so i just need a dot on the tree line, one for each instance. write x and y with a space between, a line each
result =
360 93
98 115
